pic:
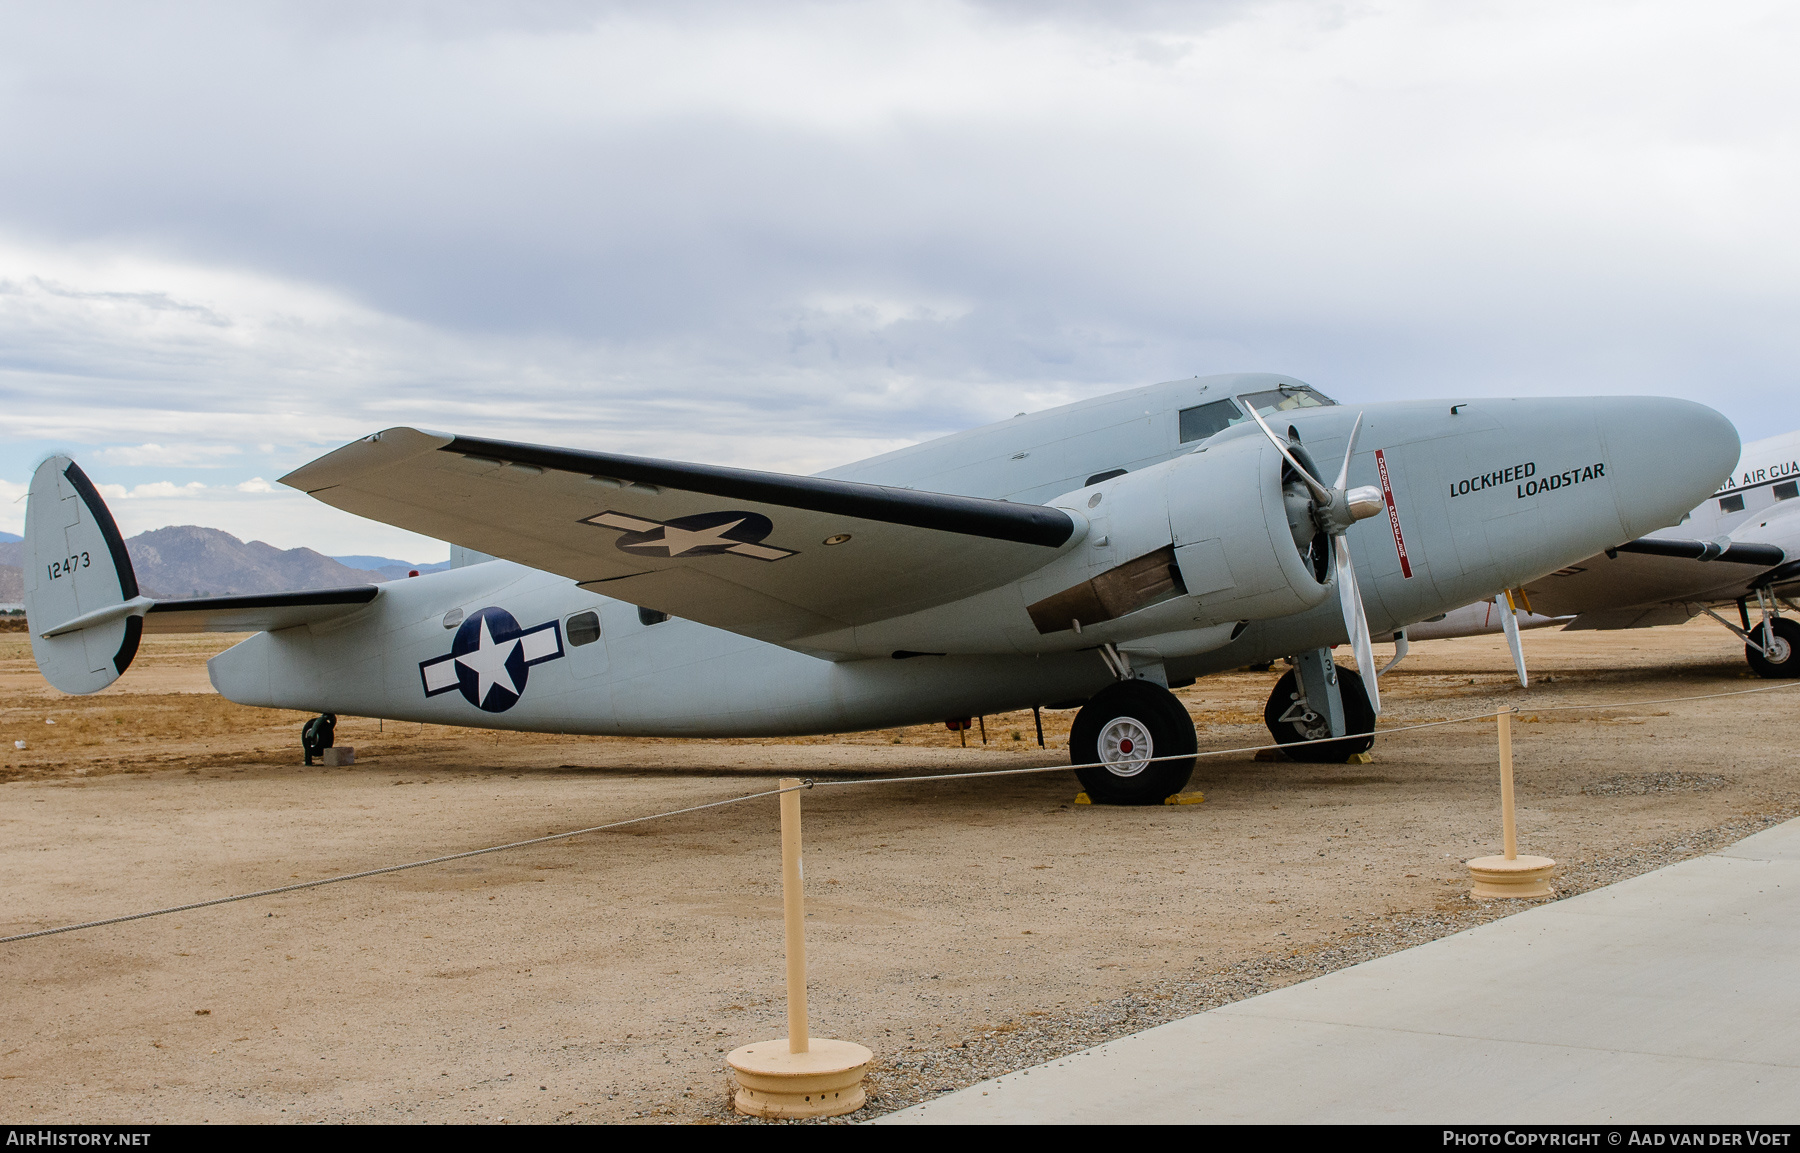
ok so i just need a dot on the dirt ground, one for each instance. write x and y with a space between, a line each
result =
956 928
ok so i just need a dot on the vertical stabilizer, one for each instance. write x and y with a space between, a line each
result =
76 566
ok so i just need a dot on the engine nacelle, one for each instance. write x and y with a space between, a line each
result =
1221 535
1244 539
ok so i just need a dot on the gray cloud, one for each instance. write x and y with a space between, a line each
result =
789 234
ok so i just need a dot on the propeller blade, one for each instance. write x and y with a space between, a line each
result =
1355 622
1510 621
1319 491
1349 449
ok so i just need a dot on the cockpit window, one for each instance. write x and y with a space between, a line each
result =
1200 423
1204 420
1285 399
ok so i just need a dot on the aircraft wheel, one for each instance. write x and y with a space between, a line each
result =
1359 721
1783 660
1122 729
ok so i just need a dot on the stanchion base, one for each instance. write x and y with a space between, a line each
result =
824 1081
1520 877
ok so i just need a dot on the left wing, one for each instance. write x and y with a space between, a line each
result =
762 554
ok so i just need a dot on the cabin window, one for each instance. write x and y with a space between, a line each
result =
453 618
649 617
1786 490
1731 504
582 628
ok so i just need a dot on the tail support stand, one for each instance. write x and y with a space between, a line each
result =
798 1075
1509 875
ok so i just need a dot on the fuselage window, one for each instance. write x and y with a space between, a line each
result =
648 617
1731 504
582 628
1786 490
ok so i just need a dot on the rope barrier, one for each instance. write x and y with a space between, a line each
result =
388 869
809 783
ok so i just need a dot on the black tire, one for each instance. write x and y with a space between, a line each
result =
1783 661
1113 726
1359 721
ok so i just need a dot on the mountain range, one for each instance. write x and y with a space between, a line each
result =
188 561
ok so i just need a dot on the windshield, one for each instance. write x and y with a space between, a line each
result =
1204 420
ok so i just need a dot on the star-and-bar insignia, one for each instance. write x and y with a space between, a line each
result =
490 659
703 534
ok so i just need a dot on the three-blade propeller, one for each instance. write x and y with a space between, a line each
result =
1334 510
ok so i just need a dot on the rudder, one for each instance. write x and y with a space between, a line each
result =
79 583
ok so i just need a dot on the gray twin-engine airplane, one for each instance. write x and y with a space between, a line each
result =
1094 554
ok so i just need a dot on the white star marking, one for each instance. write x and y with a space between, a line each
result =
488 663
680 541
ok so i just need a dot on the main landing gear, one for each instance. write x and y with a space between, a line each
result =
1122 731
1772 647
1314 700
1774 656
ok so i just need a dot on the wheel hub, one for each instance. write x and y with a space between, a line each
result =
1125 746
1778 650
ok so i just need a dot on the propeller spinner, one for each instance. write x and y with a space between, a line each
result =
1333 511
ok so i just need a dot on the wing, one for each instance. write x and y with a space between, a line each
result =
766 555
1651 571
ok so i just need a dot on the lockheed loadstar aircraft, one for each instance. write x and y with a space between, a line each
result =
1096 554
1739 545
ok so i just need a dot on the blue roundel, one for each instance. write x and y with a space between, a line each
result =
489 659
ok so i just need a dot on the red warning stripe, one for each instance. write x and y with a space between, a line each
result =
1387 494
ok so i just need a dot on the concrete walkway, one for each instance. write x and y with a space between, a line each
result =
1669 998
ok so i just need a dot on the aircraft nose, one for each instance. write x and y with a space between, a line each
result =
1670 454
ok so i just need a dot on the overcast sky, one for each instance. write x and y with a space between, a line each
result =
235 236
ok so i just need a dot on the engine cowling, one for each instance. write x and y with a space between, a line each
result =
1245 540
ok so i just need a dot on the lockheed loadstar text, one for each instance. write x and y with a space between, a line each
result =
1525 479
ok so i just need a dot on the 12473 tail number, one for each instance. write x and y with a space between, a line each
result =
62 568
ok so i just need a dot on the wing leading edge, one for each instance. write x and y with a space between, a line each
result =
1652 581
766 555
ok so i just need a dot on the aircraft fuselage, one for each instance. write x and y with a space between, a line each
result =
1485 495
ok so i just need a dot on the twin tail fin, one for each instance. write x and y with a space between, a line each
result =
81 595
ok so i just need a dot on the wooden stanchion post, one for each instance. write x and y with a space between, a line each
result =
793 914
1509 829
1509 875
797 1075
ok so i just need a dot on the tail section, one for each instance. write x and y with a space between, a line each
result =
81 595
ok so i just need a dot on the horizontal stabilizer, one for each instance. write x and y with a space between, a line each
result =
256 613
